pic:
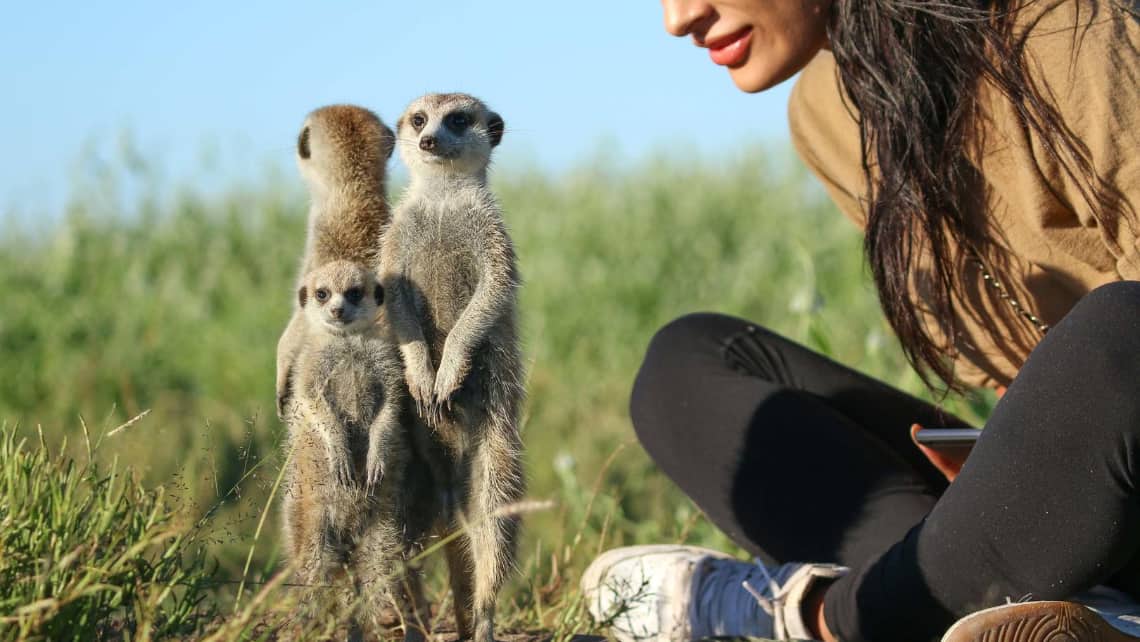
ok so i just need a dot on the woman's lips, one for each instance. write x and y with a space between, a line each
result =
731 49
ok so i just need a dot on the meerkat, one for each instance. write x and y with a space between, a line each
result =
348 494
342 152
448 268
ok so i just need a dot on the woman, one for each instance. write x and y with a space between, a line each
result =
991 153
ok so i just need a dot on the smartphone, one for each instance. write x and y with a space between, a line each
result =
948 438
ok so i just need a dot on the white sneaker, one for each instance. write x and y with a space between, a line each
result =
668 593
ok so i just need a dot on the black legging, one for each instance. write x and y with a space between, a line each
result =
798 458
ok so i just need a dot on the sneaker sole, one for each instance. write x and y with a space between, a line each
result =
1035 622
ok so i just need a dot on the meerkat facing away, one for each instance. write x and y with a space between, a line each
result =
348 490
448 268
342 153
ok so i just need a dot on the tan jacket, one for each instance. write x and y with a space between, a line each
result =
1084 55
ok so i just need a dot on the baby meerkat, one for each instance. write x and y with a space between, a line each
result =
347 495
348 372
342 153
449 270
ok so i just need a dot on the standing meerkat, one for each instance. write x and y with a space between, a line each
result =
448 268
348 490
342 152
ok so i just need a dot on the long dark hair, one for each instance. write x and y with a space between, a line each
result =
912 69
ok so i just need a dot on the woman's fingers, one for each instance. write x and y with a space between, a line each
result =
948 463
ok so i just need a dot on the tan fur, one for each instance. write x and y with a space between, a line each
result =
448 267
342 153
351 482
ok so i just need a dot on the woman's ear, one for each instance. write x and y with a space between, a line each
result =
495 128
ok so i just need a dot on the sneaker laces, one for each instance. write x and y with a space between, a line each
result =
774 605
722 608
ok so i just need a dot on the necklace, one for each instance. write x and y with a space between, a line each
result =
1004 295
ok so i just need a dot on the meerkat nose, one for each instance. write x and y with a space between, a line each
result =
337 312
427 143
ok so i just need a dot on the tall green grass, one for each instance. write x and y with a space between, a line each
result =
87 552
141 297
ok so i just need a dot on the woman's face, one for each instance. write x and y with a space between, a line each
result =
761 42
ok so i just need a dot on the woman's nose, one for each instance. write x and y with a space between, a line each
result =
682 15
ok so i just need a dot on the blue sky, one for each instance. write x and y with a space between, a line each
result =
237 78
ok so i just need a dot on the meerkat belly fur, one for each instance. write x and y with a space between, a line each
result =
449 270
342 152
347 499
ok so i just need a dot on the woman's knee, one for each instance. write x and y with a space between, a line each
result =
679 339
1119 300
681 350
1091 361
1104 328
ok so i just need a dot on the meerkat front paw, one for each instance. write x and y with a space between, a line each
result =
447 382
421 382
287 410
340 461
374 464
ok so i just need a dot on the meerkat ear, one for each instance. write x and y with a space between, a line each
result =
378 293
302 295
303 144
495 128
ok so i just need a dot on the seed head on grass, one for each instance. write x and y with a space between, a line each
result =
87 549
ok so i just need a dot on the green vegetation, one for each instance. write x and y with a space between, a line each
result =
172 302
86 552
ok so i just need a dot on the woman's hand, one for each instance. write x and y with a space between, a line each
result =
948 463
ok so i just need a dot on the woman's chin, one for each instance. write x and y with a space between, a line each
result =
748 78
759 72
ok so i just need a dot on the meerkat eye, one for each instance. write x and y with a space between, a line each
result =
418 121
457 121
354 295
322 294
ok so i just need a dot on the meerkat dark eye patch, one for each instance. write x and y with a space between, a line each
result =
495 128
418 120
354 295
303 143
457 121
322 295
378 294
